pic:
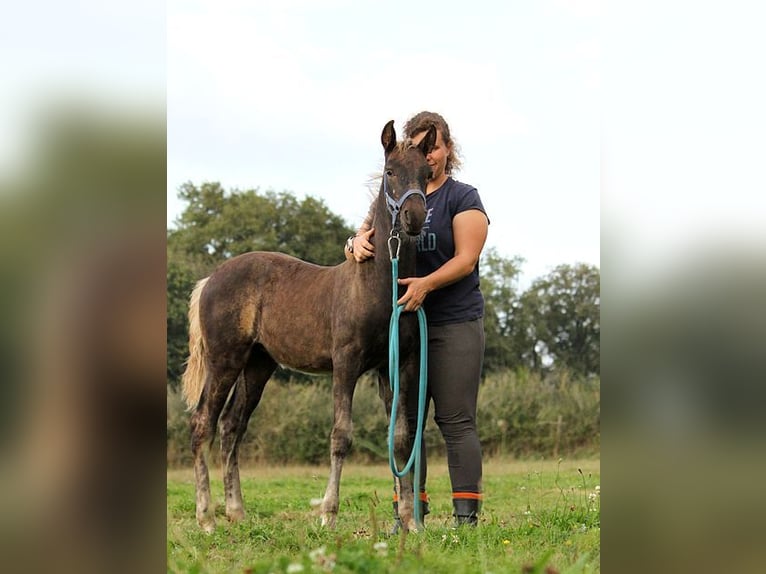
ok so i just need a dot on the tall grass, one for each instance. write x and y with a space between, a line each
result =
519 413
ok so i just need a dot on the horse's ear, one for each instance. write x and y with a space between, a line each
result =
388 137
428 142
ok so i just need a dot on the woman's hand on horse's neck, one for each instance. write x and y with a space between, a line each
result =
364 247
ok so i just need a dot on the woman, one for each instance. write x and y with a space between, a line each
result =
447 287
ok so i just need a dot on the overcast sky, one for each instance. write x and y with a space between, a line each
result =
292 95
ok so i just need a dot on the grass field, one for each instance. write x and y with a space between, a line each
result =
538 516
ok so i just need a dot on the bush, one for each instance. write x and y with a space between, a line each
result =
519 414
525 414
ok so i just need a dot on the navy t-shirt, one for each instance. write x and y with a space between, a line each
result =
461 301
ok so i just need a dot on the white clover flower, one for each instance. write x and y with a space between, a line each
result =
317 553
381 548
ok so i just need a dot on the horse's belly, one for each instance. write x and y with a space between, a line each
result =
307 354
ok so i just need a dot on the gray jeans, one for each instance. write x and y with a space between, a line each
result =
455 357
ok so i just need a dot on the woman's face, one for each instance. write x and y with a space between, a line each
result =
437 159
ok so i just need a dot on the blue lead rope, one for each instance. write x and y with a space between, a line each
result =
393 370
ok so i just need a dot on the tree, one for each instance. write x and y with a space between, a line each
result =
499 285
217 225
561 312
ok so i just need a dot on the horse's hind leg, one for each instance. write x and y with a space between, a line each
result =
233 424
203 423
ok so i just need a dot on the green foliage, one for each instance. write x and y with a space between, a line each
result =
217 225
537 516
522 414
178 447
499 286
563 310
554 324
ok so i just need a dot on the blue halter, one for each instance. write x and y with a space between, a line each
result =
395 206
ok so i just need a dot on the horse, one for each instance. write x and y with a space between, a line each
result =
262 309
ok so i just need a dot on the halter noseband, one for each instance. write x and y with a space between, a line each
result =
395 206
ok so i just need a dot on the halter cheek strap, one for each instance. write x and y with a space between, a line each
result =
395 206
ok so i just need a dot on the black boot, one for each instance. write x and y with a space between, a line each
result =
466 511
398 522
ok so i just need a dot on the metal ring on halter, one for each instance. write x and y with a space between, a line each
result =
394 235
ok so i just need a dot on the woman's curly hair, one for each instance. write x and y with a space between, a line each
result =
424 120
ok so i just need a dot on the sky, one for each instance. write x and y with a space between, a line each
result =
292 96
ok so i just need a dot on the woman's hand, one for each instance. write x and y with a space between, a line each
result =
417 289
363 247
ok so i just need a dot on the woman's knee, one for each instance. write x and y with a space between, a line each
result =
456 425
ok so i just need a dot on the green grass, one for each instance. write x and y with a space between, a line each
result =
538 516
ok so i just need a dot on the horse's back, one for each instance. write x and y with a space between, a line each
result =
276 300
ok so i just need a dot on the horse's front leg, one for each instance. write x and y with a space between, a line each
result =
403 443
340 442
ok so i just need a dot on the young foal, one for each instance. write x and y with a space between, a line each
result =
261 309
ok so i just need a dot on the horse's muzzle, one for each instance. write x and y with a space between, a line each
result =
413 213
412 221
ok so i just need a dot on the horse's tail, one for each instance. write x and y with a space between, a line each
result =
193 379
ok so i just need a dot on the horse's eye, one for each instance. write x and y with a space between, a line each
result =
389 172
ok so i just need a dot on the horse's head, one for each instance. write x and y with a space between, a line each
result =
405 177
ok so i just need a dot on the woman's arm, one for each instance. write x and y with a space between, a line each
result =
469 230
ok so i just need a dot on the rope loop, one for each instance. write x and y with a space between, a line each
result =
393 371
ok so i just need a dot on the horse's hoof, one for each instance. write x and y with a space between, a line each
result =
412 526
207 525
409 524
328 520
235 515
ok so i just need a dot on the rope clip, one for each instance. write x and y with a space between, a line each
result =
394 236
